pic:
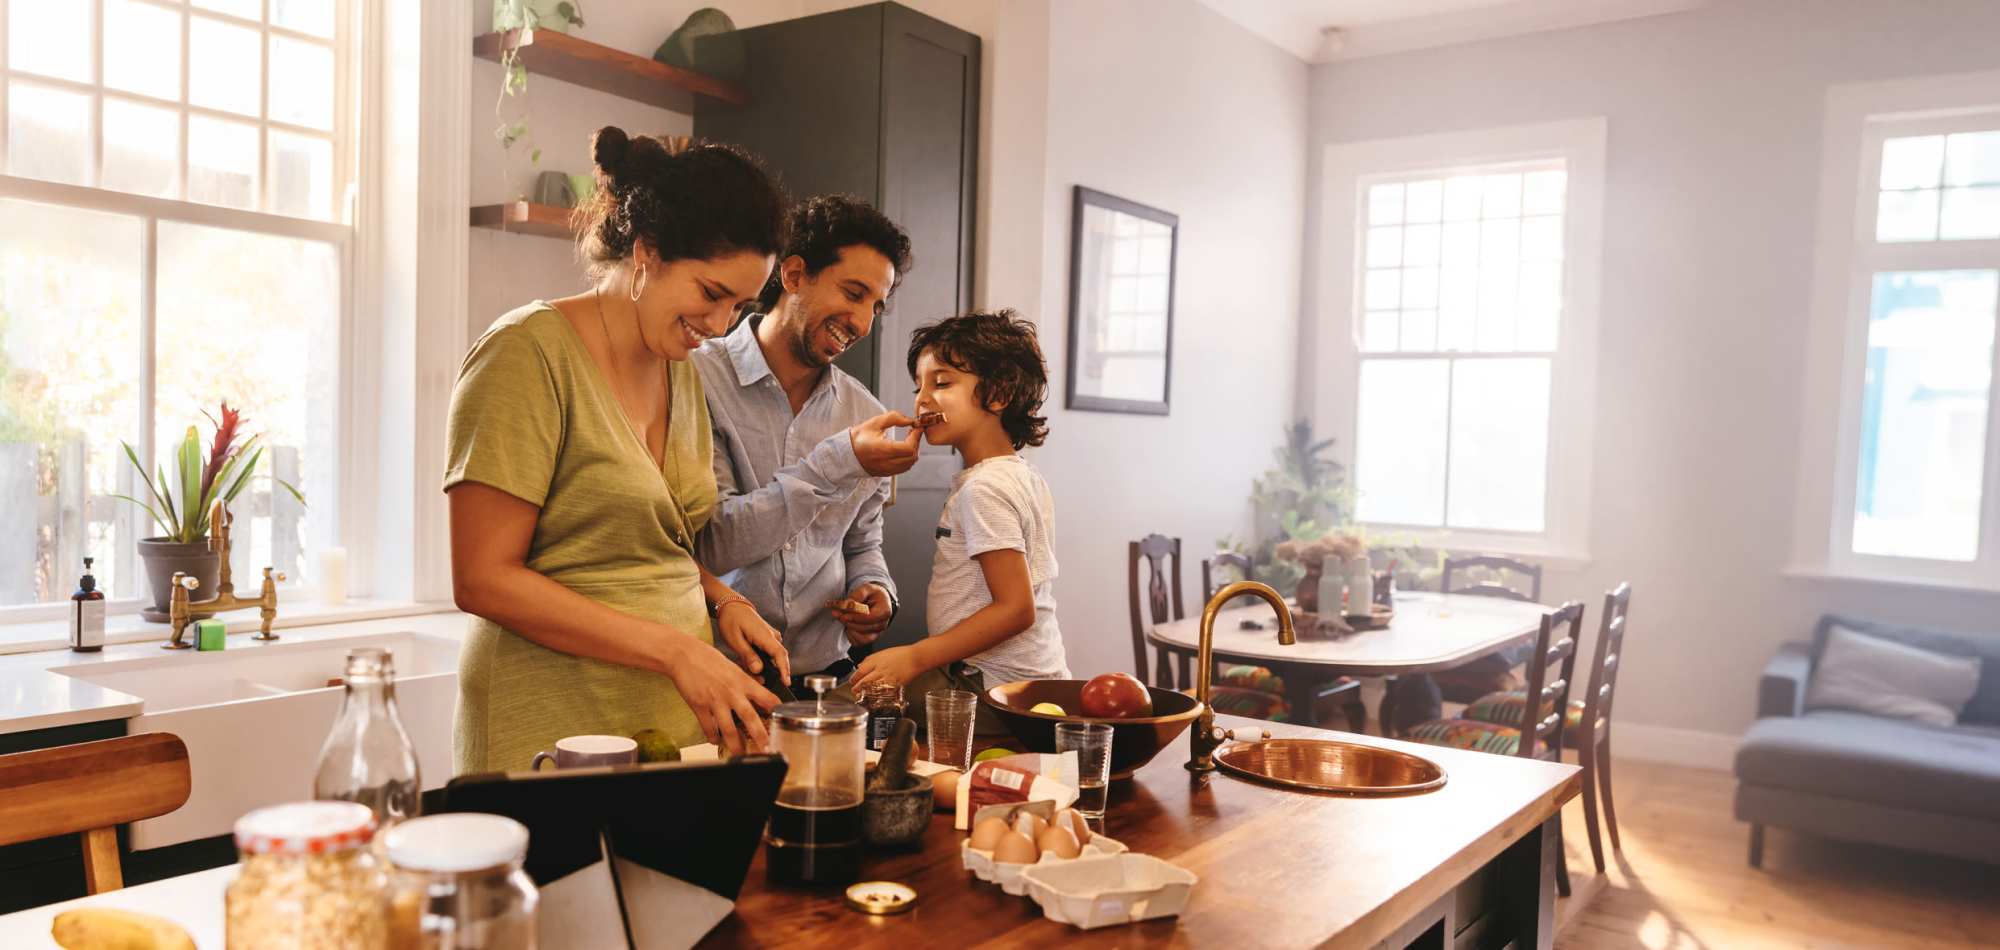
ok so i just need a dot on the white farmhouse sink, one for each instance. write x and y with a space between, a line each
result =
253 718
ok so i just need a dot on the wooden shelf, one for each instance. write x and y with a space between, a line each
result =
525 217
555 55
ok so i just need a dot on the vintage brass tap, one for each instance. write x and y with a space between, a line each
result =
1204 737
180 612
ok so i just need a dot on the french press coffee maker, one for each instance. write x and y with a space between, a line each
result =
815 831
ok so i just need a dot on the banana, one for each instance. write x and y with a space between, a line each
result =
104 928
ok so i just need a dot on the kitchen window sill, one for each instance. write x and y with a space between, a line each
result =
39 635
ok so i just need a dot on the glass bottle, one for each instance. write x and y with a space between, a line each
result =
368 757
459 884
86 620
884 702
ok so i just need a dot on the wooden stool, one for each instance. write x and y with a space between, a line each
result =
91 788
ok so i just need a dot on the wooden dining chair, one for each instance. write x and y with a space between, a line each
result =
1163 560
1487 576
1551 669
1593 737
91 788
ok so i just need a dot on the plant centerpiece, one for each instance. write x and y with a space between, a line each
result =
1335 547
181 505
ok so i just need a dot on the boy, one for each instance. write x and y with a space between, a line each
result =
992 609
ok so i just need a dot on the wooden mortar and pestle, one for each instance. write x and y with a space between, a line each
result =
896 806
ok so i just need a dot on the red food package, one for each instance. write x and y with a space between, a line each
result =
1017 778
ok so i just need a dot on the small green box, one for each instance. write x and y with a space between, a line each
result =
208 635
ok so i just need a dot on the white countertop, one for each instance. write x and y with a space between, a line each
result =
193 901
33 697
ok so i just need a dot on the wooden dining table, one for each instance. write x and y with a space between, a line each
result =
1428 632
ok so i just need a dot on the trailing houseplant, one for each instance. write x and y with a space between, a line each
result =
181 504
526 16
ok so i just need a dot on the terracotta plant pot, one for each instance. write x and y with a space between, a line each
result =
163 559
1308 593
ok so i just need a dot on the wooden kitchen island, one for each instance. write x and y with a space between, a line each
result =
1468 865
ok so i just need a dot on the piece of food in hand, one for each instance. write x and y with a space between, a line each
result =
1058 841
1073 820
1047 709
104 928
944 790
1116 696
927 419
848 605
654 746
988 833
1016 848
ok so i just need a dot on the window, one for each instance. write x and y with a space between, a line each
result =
1470 331
174 236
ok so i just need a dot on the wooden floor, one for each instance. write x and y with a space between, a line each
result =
1683 882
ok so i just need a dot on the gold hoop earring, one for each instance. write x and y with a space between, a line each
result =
639 284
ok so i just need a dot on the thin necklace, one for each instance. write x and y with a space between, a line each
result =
666 377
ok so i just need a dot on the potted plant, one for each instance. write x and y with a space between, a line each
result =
526 16
181 506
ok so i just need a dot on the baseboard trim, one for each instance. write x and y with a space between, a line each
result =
1690 747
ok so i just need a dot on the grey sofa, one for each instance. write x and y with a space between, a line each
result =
1868 778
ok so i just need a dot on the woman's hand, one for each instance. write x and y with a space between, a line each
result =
747 635
725 700
898 665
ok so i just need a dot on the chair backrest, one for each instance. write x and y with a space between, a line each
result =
1604 663
1163 559
1221 559
91 788
1485 565
1551 668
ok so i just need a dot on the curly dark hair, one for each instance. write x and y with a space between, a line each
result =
1001 349
824 224
685 199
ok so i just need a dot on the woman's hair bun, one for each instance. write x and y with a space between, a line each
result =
609 148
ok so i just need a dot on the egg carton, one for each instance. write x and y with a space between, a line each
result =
1007 874
1111 889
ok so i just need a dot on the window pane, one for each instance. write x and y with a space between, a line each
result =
1419 331
1542 192
1924 400
1423 201
69 391
1972 158
50 38
1385 247
142 49
48 133
1499 444
305 16
222 162
1378 331
142 144
1384 289
1420 288
1420 245
1399 442
255 319
1462 195
247 9
225 65
302 179
1907 216
1542 238
1913 162
1503 196
302 83
1970 213
1385 204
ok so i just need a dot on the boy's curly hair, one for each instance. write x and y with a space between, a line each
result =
1001 349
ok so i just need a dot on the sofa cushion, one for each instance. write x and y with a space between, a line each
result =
1984 706
1891 678
1871 759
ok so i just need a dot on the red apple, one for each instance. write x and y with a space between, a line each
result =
1115 696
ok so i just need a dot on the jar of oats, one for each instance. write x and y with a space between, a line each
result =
308 880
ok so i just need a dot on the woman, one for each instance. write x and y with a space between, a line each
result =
579 474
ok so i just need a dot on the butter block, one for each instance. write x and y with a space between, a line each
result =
208 635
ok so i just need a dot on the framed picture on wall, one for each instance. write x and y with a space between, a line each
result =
1121 304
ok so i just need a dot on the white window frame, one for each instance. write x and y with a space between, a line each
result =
357 19
1334 362
1846 257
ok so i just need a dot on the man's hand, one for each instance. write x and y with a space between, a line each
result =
864 625
881 455
898 665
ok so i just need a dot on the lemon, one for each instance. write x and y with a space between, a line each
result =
654 746
994 753
1047 709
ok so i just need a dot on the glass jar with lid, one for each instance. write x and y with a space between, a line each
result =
815 831
308 880
885 704
458 883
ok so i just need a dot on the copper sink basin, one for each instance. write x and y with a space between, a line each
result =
1318 765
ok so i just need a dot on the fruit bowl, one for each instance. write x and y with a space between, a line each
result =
1134 741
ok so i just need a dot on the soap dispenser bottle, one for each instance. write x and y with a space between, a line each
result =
86 614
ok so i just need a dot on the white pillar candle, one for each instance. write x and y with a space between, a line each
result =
332 575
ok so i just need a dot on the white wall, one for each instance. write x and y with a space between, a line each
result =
1714 125
1171 105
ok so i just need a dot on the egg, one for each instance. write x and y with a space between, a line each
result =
1073 820
1015 848
944 790
1029 825
988 833
1058 841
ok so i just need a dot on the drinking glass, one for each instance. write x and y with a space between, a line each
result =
949 714
1092 743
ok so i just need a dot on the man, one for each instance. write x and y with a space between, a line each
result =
802 449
